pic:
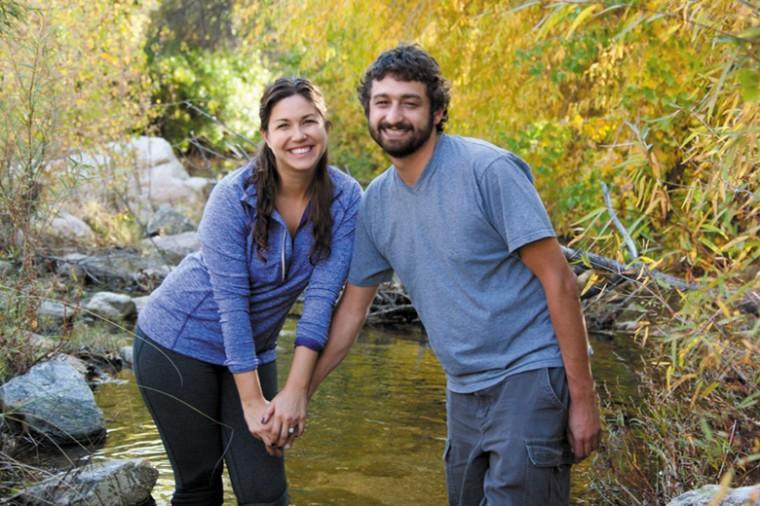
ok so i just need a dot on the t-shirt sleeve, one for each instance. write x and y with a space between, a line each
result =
368 266
512 204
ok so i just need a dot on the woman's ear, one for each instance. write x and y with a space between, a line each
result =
265 136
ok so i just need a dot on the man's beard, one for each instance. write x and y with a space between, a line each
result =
406 147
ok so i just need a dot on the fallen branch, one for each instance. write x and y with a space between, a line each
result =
636 270
632 250
749 303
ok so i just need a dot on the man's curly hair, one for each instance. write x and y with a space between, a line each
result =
409 62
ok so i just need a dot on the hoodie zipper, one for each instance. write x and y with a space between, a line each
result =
282 256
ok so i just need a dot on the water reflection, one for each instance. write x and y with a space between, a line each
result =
375 433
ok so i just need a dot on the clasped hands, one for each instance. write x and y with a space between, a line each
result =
278 422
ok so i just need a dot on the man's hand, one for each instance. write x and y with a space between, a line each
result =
584 426
285 417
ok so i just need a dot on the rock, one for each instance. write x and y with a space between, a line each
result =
69 228
126 354
201 185
140 302
168 221
122 482
55 401
147 151
72 271
77 363
54 313
41 343
744 496
120 269
143 171
173 247
111 306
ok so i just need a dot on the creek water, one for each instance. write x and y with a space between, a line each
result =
376 428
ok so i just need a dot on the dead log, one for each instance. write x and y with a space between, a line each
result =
637 270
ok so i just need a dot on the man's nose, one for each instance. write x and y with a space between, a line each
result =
394 114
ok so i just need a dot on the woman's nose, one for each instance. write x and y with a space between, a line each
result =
299 133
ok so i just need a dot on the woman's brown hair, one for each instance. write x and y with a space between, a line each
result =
267 180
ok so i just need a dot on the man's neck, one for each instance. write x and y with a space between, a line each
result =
410 168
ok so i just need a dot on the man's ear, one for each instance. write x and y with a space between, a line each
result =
437 117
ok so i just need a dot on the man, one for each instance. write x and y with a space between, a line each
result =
461 224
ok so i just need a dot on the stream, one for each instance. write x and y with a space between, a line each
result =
376 427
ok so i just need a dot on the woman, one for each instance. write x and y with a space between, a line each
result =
205 352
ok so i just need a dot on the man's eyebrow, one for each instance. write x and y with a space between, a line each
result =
406 96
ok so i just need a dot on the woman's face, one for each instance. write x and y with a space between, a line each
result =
296 134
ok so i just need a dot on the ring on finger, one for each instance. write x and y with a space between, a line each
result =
291 431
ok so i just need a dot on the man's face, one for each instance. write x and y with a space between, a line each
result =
400 119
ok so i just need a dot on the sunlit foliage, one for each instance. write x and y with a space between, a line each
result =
71 77
206 81
660 100
655 98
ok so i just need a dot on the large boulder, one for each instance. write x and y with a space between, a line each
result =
118 482
168 221
55 402
161 178
744 496
147 152
173 247
111 306
142 172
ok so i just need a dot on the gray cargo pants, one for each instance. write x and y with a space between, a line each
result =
507 444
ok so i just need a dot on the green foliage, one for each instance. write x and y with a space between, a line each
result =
206 83
10 11
208 96
700 381
178 24
656 98
71 77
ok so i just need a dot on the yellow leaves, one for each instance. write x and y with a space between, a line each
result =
109 58
560 12
582 17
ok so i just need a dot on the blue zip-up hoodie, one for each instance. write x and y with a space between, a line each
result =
225 305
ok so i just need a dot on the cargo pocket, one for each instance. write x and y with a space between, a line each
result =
548 472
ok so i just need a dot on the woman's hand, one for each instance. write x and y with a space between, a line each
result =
285 416
254 413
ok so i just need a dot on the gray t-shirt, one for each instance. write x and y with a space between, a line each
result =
452 239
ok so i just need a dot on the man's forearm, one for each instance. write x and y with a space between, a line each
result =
347 321
570 328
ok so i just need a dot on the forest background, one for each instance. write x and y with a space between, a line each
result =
657 99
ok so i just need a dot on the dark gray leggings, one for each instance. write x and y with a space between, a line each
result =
197 412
